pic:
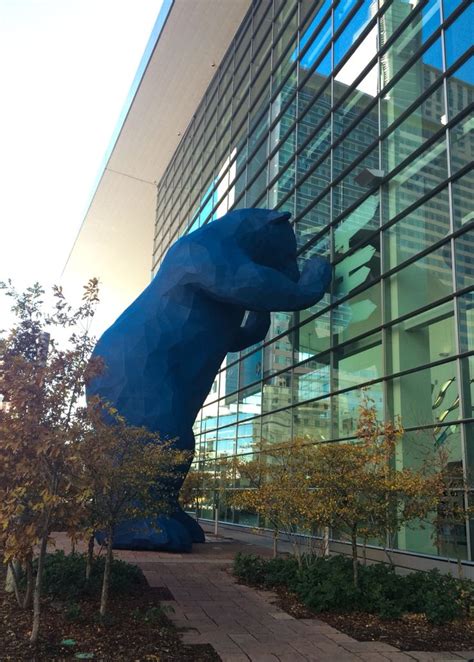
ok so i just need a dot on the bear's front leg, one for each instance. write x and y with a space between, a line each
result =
254 330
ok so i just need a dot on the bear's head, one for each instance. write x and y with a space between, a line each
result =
267 237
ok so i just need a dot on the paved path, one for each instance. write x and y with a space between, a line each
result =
241 623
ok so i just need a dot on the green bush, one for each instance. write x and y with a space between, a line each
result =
326 584
65 576
249 568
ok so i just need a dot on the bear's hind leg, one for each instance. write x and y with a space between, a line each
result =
190 524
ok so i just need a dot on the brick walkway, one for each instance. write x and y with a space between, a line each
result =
241 623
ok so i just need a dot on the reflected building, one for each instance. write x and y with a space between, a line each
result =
356 118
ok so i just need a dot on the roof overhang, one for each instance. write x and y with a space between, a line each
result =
116 238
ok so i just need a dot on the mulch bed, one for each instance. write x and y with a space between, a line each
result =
411 632
136 631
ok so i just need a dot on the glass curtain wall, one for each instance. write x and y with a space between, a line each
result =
355 116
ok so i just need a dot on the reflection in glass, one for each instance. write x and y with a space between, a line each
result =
421 339
357 363
426 397
311 379
415 232
312 420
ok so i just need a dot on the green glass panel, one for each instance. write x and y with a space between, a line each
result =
276 392
462 192
346 409
466 322
276 427
462 144
250 402
467 366
356 102
349 190
356 226
421 339
312 420
426 397
415 180
312 337
415 232
311 379
421 283
464 247
414 131
356 316
358 362
317 218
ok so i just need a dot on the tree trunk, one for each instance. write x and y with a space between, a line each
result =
355 562
90 557
29 584
11 583
275 543
106 580
326 541
37 591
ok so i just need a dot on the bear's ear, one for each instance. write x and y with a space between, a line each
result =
280 217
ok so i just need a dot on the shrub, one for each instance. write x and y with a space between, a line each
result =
325 584
250 568
65 576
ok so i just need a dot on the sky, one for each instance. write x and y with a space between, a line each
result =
66 69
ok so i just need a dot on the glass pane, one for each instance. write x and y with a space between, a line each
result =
414 131
424 338
357 227
311 379
357 100
356 142
248 435
467 372
349 189
313 42
462 143
250 369
424 226
359 268
458 37
410 40
419 284
466 322
312 421
357 316
277 355
276 427
415 180
346 408
353 29
425 397
317 218
358 362
461 88
311 337
316 85
464 247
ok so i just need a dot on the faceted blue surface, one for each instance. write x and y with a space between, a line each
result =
162 354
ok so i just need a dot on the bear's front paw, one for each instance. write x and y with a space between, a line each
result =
316 276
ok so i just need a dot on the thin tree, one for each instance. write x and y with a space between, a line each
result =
41 384
127 473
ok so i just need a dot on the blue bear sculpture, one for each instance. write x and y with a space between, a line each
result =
163 353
